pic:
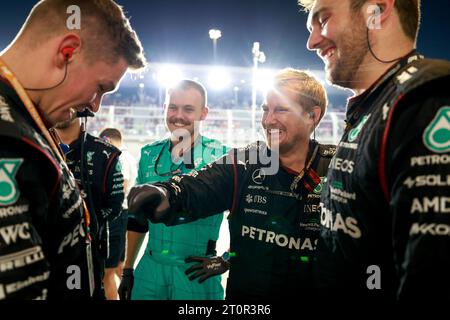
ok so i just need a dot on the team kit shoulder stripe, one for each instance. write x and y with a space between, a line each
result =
52 161
382 159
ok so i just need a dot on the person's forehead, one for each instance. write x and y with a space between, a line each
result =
317 8
189 96
281 97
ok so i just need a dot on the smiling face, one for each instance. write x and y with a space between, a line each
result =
84 86
285 122
339 38
183 109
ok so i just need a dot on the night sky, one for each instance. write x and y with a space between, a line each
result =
176 31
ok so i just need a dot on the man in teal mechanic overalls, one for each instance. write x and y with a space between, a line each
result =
160 274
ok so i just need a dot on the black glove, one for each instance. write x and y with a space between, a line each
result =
206 267
148 202
126 284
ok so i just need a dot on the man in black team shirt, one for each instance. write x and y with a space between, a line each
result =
274 211
95 166
46 74
385 217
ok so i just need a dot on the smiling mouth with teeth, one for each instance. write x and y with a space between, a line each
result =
179 124
329 53
274 131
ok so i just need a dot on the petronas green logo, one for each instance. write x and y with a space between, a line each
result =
437 135
318 189
118 166
355 131
9 191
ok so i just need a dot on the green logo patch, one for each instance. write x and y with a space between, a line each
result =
9 191
337 185
89 156
118 167
318 189
355 131
437 135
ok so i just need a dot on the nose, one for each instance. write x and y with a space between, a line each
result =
314 39
96 102
177 114
268 119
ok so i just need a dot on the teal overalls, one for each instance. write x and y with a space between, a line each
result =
160 273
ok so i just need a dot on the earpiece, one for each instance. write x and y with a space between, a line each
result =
311 115
380 9
377 11
67 52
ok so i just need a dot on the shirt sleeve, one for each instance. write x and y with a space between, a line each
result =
418 173
114 192
202 194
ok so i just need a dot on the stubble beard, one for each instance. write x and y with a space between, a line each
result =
353 50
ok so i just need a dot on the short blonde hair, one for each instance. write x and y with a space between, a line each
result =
309 90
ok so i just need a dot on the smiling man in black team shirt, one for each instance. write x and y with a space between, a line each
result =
385 218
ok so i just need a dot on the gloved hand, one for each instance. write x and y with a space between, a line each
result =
126 284
206 267
148 202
